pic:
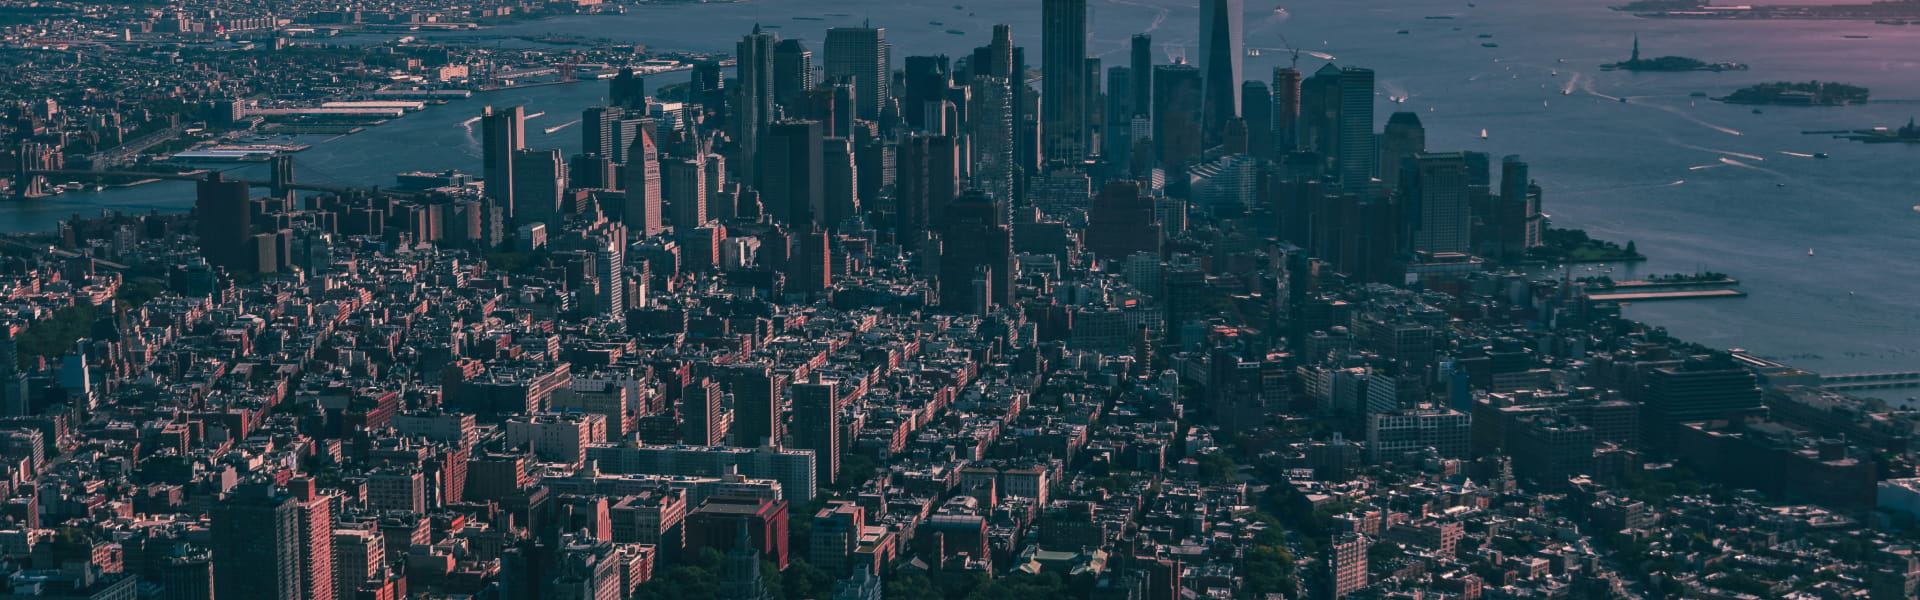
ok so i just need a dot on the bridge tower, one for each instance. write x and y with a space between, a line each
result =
282 178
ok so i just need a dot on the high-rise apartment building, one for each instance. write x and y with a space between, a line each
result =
816 425
700 413
257 544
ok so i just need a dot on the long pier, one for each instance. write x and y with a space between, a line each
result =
1871 381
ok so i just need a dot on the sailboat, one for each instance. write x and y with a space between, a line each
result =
1809 252
1483 134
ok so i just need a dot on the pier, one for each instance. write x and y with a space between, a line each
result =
1871 381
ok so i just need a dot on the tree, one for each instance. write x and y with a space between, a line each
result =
55 335
911 587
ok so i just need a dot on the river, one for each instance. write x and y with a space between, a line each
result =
1698 185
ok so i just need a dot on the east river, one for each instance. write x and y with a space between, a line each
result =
1696 184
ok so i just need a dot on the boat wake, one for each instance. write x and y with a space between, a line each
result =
1703 167
1587 86
536 115
1158 18
1571 83
1676 182
1393 89
1703 123
561 126
467 126
1735 163
1796 154
1319 55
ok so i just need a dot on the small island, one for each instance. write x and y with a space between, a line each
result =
1812 93
1669 63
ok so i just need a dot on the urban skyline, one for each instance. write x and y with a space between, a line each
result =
825 321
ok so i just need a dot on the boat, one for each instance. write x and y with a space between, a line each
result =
956 32
808 19
1756 111
1485 36
1483 134
935 23
1809 252
1856 37
1779 185
1819 155
1555 72
1489 45
1440 18
1401 32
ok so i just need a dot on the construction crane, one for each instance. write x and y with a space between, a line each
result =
1291 50
1288 46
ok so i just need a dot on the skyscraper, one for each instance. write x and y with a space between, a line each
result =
1063 84
539 179
257 544
1519 220
1256 106
1434 193
1176 106
754 99
863 56
1403 138
839 180
816 425
1318 129
684 187
599 126
223 221
627 90
700 414
791 185
928 170
1121 221
503 132
1001 62
756 405
927 80
976 270
1357 155
792 72
643 198
1221 61
315 512
1286 109
990 118
1142 55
